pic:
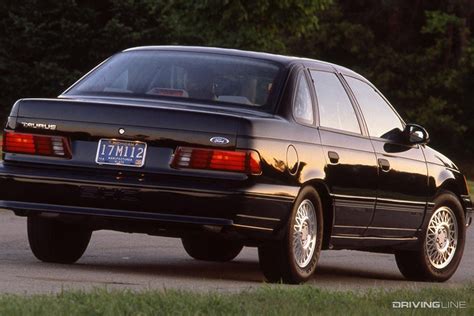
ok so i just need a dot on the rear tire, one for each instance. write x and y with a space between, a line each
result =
441 246
211 248
54 241
294 258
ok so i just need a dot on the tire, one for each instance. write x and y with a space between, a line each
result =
211 248
284 261
447 225
57 242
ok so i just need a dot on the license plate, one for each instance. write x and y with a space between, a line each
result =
121 153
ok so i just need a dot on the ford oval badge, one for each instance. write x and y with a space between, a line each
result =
219 140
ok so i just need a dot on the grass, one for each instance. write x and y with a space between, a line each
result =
275 300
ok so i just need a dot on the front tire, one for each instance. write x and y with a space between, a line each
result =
294 258
211 248
57 242
442 244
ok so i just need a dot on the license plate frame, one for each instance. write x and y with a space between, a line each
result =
104 154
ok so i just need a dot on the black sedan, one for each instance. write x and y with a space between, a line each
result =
224 149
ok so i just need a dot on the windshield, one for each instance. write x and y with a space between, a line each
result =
207 77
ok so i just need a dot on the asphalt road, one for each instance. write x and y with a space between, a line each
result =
140 262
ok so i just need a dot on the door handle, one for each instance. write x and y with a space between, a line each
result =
333 157
384 164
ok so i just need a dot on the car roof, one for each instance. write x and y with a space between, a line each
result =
282 59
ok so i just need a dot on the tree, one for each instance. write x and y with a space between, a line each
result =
262 25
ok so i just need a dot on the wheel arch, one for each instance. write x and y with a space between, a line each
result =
449 185
452 185
448 179
328 209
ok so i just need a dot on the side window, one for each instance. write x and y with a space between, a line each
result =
381 119
335 107
302 105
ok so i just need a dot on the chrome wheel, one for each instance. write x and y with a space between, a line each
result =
442 237
304 233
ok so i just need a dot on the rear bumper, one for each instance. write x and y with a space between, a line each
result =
251 209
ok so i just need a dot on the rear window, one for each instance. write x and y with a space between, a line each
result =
216 78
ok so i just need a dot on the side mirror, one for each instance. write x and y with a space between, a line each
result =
416 134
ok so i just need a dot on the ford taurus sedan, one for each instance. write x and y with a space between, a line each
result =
224 149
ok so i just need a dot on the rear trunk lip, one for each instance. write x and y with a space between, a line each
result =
233 110
153 117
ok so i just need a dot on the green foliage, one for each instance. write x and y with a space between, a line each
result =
438 22
268 300
419 53
255 25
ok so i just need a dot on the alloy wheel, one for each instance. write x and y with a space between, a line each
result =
441 237
304 233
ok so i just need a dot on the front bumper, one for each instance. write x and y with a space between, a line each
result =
253 209
467 203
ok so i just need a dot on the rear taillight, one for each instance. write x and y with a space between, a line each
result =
244 161
43 145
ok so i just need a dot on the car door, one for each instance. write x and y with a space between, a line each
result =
403 180
351 168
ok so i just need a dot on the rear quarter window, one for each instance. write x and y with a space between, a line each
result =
335 107
302 104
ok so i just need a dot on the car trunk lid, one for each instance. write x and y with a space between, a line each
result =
163 126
